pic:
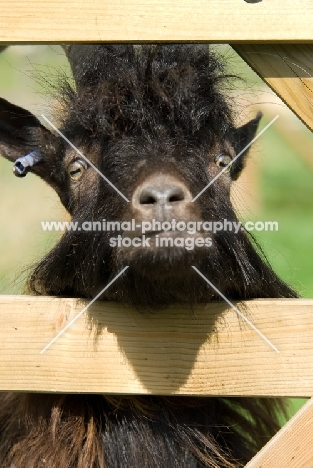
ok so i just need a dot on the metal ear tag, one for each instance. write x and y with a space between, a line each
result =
24 164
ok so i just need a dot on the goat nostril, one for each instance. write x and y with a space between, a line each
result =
147 199
163 194
177 195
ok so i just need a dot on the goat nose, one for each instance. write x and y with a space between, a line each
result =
161 195
160 192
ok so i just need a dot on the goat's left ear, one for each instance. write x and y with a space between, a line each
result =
243 136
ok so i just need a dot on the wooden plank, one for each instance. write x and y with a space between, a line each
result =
292 446
156 20
288 70
175 351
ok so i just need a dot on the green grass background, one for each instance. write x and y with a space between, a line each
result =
281 188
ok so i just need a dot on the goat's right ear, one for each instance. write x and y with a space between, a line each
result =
31 147
20 131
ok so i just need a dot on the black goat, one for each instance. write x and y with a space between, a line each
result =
155 120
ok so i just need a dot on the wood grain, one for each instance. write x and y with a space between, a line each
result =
155 20
114 349
292 446
288 70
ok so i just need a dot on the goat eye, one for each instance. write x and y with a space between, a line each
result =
222 160
76 169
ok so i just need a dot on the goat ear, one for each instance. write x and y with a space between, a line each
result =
31 147
20 131
243 136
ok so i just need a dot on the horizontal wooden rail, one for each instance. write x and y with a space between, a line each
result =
114 349
155 20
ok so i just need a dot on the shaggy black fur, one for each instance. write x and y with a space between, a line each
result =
138 113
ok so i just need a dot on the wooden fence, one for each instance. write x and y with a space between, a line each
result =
174 352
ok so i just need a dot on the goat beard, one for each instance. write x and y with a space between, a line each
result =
160 278
85 265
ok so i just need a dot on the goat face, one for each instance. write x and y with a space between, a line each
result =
155 122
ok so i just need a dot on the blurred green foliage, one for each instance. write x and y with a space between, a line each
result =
287 197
